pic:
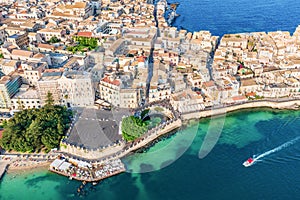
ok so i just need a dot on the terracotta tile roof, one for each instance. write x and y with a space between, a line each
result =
85 34
209 83
251 94
18 52
39 55
141 59
45 46
114 82
239 98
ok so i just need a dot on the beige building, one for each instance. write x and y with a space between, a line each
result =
157 93
20 40
33 71
77 11
48 33
116 47
25 99
187 101
129 98
8 66
49 83
110 90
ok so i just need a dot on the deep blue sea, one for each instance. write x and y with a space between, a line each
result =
236 16
174 168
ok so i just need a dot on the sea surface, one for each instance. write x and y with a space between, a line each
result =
172 169
236 16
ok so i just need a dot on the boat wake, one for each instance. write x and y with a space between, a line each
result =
257 158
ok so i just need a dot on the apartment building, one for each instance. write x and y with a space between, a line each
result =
76 89
20 40
9 86
26 98
110 90
49 83
71 88
33 71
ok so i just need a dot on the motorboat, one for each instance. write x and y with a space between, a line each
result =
248 162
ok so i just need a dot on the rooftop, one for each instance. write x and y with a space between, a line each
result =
51 76
29 94
96 128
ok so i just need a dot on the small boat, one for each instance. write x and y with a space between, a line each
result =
94 183
248 162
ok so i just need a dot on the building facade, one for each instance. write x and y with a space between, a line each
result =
9 86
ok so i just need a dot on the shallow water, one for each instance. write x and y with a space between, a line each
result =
178 173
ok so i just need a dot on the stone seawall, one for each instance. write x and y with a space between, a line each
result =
119 151
168 128
292 104
91 154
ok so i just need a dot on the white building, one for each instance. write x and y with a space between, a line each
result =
76 89
25 99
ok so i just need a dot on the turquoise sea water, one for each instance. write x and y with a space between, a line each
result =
178 173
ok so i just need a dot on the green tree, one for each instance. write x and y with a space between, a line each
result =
133 127
49 100
33 130
20 104
54 39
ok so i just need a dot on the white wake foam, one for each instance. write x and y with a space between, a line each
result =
279 148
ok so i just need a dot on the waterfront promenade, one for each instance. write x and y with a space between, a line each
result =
284 103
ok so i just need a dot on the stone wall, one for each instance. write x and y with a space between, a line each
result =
290 104
120 150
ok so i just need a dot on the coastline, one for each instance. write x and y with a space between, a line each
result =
292 104
44 166
27 168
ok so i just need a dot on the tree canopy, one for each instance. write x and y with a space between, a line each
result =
83 45
133 127
49 100
33 130
54 39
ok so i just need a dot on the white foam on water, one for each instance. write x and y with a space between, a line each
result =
279 148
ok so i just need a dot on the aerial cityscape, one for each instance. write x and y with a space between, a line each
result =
133 99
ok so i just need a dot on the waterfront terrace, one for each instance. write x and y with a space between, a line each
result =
84 171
